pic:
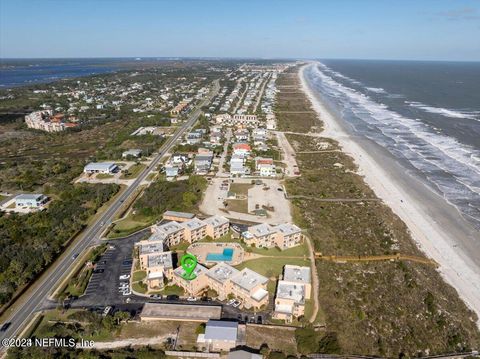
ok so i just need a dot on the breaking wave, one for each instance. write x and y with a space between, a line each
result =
450 167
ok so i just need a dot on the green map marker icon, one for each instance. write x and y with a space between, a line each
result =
188 263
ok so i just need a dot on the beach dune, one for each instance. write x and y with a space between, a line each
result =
437 227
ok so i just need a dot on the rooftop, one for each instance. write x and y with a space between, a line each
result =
162 259
260 230
181 311
216 221
199 269
291 290
219 330
150 247
296 274
193 224
166 229
222 272
287 228
30 196
99 166
248 279
179 214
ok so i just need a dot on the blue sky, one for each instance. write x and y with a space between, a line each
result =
368 29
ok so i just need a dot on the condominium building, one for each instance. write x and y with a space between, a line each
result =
155 261
251 288
300 275
172 233
287 235
194 230
217 226
195 286
190 228
283 236
46 121
219 279
292 292
289 300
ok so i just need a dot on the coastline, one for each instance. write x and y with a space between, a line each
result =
456 245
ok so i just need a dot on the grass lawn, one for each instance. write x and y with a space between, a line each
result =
172 290
133 171
139 275
298 251
271 267
103 176
238 205
127 226
240 188
139 287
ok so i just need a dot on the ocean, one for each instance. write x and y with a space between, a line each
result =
24 72
425 114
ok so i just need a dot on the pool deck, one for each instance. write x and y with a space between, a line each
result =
201 250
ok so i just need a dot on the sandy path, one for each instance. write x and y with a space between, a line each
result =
128 342
456 267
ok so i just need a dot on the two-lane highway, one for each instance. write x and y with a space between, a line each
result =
64 266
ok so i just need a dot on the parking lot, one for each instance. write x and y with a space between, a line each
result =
103 288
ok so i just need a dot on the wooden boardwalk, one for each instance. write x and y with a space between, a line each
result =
383 257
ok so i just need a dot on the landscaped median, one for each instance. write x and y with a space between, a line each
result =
77 283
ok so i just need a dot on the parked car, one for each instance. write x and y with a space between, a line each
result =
107 311
192 299
124 276
101 270
259 319
231 301
127 292
206 299
173 297
156 296
236 303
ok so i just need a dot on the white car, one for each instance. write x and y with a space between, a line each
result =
107 310
192 299
230 302
125 276
236 304
127 292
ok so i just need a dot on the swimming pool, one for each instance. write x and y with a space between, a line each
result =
225 256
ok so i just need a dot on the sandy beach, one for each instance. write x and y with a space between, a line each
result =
437 227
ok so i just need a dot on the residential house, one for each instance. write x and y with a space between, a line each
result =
241 149
237 165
